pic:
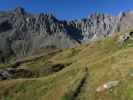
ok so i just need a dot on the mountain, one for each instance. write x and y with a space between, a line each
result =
23 33
43 58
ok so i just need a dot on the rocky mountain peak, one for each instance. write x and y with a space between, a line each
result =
20 11
29 32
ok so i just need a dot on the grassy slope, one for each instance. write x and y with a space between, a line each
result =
106 60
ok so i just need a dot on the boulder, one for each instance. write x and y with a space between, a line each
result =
4 74
107 86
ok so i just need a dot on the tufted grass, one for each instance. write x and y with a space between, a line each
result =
106 60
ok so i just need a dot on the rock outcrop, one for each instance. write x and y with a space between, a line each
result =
10 73
125 37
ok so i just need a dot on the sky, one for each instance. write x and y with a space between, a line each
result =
69 9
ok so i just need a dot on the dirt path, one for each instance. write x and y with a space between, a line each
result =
81 87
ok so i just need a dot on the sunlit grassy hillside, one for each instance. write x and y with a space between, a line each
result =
75 74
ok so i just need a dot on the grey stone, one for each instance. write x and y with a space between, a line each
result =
107 86
4 75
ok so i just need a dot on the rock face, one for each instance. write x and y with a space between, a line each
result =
22 33
96 26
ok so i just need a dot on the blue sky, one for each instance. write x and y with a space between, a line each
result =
69 9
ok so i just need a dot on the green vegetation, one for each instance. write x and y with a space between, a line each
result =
105 60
